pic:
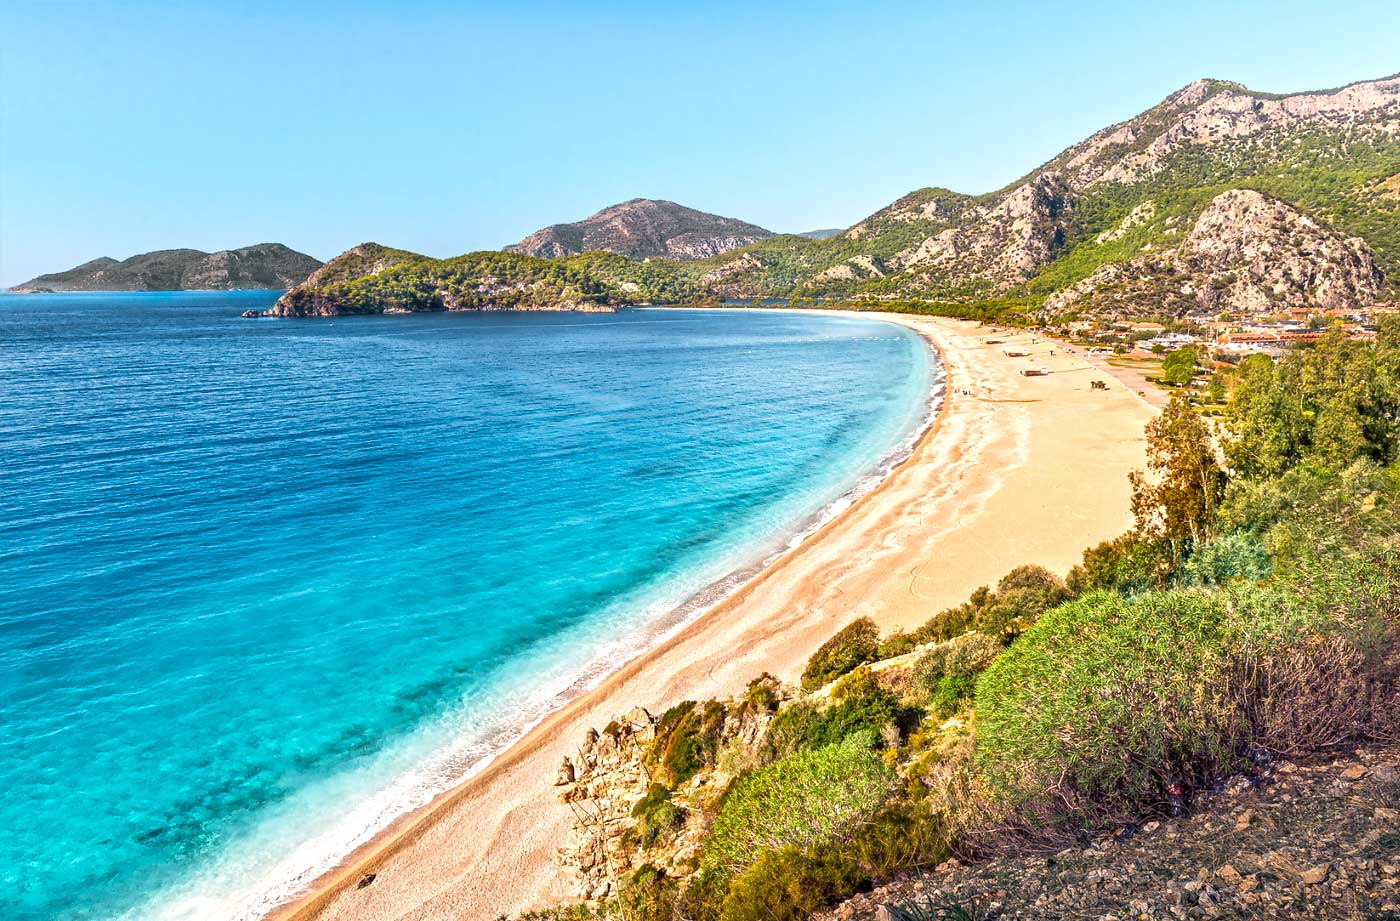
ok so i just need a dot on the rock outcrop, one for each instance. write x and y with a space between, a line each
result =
264 266
1245 252
1134 189
643 229
1209 113
601 784
615 768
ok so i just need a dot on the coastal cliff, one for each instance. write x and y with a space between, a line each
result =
263 266
643 229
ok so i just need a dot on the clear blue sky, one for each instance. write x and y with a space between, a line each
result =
448 127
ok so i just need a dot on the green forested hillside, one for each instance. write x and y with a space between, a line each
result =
374 279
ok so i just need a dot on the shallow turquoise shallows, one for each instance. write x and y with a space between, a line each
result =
264 585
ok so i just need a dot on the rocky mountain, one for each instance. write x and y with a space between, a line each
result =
265 265
1220 197
1245 253
643 229
822 234
1325 162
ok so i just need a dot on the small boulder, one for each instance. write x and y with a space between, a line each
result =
1315 875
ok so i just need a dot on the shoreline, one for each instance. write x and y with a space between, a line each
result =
699 606
419 873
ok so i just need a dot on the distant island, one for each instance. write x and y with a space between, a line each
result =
1220 198
261 266
644 229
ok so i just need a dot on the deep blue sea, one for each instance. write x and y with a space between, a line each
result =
264 585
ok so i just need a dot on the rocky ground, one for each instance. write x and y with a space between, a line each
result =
1300 841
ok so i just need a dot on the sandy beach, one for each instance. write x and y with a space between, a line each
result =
1014 470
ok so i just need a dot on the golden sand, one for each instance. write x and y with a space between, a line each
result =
1014 470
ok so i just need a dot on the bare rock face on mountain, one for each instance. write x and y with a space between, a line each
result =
1245 252
1219 197
1003 244
643 229
266 265
1104 224
1211 113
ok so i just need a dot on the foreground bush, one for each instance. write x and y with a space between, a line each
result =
860 707
806 800
1107 700
789 885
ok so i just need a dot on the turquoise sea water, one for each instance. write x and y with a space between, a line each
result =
264 585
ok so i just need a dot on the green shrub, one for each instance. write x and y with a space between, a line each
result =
1021 597
703 895
1107 700
1237 555
961 657
956 621
789 885
687 738
1128 565
950 694
656 815
896 644
853 646
648 894
761 696
903 837
863 707
805 800
575 912
943 676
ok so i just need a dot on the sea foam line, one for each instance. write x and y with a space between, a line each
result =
469 754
